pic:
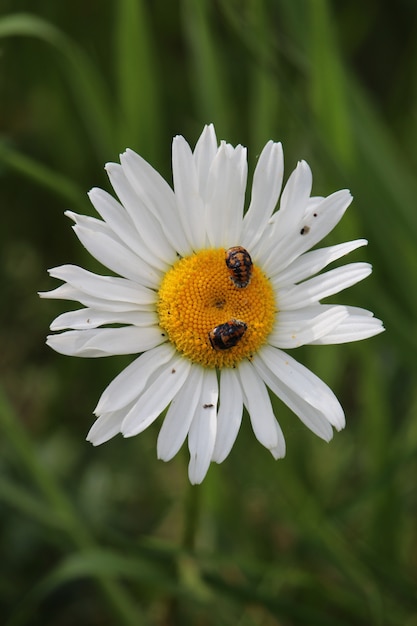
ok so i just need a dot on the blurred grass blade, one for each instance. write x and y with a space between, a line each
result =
42 175
397 182
208 83
18 438
251 26
264 91
103 561
116 596
328 90
137 79
88 89
388 195
95 564
28 504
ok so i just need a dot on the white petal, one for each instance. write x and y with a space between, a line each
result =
105 341
156 241
278 451
180 414
316 421
189 202
149 185
294 199
116 216
266 187
324 285
360 324
157 396
116 256
91 318
229 416
106 427
63 292
299 327
304 383
258 404
68 292
202 433
157 195
104 287
226 184
131 381
204 153
278 252
313 262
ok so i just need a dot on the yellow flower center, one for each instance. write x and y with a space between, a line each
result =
208 317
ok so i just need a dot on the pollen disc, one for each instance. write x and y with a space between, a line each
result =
197 296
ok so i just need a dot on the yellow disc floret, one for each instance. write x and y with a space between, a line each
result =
197 296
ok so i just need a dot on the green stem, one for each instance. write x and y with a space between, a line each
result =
192 514
185 566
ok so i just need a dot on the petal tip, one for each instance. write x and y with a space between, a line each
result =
72 216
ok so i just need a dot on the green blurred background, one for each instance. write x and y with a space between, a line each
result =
111 536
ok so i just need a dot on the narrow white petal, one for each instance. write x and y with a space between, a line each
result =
294 199
129 384
204 153
229 416
63 292
316 421
157 195
313 262
149 185
105 287
116 216
106 427
119 220
360 324
90 222
278 451
116 256
324 285
304 383
84 319
100 342
180 414
189 202
157 396
226 184
156 242
258 404
68 292
278 252
287 319
266 187
299 327
202 433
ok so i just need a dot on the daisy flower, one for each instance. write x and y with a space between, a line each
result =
209 296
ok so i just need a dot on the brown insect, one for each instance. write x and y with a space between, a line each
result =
227 335
239 264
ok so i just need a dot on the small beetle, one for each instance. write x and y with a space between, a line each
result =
227 335
239 264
